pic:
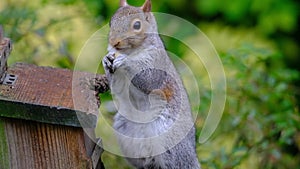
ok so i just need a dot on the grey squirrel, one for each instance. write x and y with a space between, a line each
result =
154 124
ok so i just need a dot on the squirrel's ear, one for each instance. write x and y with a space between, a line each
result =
123 3
147 6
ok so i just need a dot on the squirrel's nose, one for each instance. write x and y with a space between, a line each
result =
115 42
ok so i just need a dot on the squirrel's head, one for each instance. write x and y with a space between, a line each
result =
130 26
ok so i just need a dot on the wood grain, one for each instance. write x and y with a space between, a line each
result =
35 145
50 95
42 117
4 155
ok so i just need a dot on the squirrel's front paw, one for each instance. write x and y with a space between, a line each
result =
119 61
108 62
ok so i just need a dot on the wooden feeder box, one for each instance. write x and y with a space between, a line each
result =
39 120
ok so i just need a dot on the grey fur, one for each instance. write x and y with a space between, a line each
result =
154 125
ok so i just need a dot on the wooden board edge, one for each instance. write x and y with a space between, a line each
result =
4 149
46 114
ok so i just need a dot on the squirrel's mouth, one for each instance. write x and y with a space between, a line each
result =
121 45
127 43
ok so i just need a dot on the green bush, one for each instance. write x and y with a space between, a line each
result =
261 117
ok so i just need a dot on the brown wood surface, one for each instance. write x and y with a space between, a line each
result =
37 145
50 95
42 116
5 49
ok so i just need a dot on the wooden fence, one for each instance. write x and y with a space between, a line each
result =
40 108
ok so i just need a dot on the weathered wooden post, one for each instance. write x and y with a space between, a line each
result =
39 125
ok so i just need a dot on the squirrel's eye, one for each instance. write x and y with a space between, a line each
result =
137 25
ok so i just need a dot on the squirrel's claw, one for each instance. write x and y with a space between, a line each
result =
108 62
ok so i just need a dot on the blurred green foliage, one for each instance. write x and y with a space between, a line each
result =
258 43
261 113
